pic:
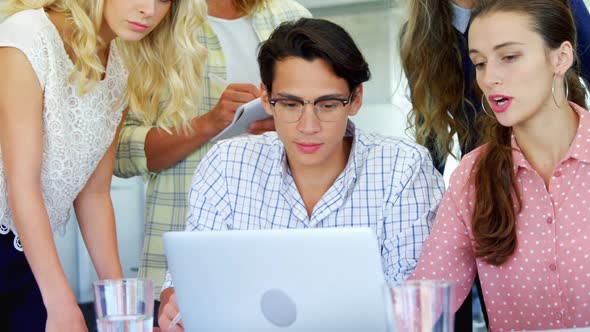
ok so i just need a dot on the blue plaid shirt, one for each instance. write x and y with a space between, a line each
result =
388 184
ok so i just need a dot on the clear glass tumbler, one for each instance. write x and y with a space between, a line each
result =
423 306
124 305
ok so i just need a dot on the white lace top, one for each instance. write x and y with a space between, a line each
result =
77 130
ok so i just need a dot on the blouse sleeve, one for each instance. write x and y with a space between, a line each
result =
22 32
447 253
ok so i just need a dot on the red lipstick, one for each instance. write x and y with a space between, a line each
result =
499 103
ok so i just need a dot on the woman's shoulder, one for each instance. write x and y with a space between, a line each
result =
22 27
466 169
34 35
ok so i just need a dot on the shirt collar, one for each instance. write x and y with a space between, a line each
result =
518 159
350 171
461 17
579 149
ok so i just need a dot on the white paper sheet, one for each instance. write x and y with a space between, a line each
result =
245 115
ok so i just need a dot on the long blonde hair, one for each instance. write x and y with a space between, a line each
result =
167 61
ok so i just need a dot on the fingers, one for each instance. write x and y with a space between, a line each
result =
163 321
176 328
262 126
237 96
245 88
167 314
234 96
180 325
224 112
229 106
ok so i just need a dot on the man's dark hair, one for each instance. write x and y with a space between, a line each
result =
311 39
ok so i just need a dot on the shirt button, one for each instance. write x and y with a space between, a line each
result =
557 174
552 267
549 220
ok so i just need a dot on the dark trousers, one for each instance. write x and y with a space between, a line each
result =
156 311
20 298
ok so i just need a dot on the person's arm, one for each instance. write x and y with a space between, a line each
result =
582 19
131 159
21 142
448 252
416 190
209 207
94 211
169 309
149 149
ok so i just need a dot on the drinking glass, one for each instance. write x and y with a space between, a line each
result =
423 306
124 305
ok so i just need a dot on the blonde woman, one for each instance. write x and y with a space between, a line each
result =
64 89
231 34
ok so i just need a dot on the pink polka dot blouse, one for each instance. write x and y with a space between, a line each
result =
546 283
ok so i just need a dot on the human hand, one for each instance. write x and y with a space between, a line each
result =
65 318
262 126
168 313
234 95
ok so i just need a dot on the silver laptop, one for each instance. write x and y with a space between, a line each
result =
279 280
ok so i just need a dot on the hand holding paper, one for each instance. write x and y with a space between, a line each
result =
244 116
262 126
233 96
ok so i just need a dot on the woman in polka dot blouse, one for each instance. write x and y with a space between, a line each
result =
517 210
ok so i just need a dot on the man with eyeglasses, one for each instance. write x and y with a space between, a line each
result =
317 169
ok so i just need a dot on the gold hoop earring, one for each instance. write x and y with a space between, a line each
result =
567 90
483 107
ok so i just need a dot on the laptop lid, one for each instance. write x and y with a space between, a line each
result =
279 280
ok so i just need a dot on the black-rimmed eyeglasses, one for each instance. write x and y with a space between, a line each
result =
327 109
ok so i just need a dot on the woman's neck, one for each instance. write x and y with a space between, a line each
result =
546 139
224 9
65 28
106 35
